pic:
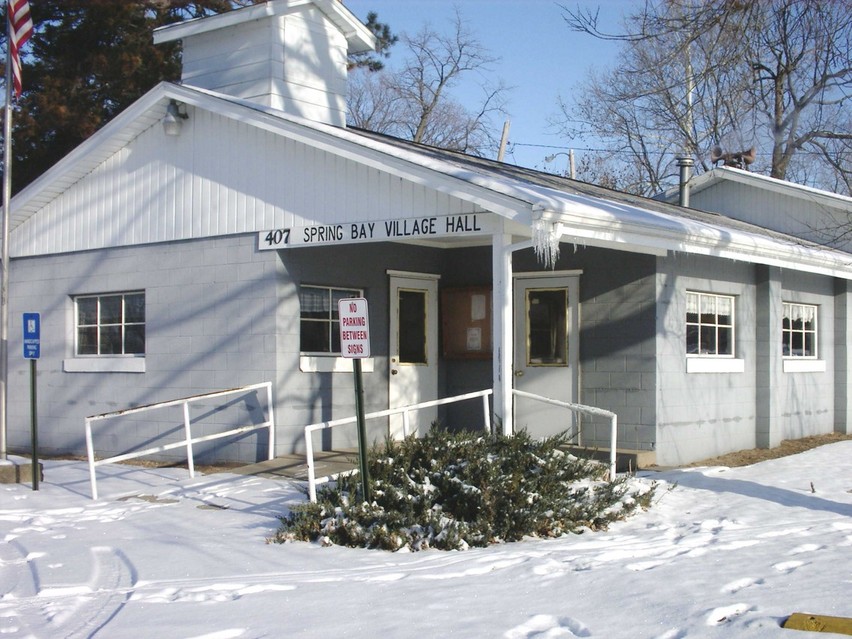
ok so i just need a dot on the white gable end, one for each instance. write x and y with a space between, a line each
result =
220 176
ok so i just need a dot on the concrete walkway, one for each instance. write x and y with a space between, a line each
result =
295 466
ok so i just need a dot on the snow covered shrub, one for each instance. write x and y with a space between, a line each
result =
452 491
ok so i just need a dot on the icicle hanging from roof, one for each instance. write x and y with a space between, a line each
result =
545 242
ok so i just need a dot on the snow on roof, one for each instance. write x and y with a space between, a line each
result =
582 213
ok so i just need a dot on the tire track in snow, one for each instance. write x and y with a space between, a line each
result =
65 611
18 582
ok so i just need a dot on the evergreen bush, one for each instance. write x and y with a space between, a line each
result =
453 491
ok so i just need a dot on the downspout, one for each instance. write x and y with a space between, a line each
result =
685 164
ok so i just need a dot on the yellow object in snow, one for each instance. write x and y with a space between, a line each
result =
819 623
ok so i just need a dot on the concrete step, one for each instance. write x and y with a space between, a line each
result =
626 459
12 472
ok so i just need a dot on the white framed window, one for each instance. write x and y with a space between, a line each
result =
799 330
110 325
319 325
709 325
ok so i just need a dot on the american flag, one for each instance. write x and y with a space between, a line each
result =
20 30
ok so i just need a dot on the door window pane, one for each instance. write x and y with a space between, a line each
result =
412 327
547 327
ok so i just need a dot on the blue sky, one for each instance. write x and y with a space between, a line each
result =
540 57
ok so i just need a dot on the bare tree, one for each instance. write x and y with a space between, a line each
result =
696 74
415 102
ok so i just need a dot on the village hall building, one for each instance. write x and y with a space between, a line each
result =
202 239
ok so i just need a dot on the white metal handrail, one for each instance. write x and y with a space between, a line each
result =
404 410
589 410
189 440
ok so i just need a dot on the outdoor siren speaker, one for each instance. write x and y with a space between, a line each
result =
739 160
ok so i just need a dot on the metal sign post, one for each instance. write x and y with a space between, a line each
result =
32 351
355 345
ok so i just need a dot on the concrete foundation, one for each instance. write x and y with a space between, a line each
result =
19 473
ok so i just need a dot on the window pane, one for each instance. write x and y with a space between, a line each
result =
809 346
110 343
314 302
134 339
87 311
412 327
692 345
708 309
110 309
335 337
725 343
708 340
134 308
724 311
796 344
87 341
547 326
691 307
314 337
796 313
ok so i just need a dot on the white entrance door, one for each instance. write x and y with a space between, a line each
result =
413 356
546 351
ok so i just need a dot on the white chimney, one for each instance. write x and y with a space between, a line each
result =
286 54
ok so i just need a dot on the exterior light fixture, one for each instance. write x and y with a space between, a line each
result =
570 155
172 121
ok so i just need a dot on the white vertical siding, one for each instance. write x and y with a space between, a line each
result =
294 62
218 177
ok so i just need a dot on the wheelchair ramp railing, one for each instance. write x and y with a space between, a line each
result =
405 411
188 440
588 410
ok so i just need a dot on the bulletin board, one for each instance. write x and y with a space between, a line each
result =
466 322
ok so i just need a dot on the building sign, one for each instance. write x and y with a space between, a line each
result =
354 327
410 228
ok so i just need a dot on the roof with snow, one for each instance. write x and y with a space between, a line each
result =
581 213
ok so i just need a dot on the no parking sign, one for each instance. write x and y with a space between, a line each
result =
354 327
355 344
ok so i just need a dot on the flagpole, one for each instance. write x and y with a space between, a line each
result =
4 258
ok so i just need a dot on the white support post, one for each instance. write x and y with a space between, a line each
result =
312 473
502 329
613 442
271 421
486 414
90 450
190 462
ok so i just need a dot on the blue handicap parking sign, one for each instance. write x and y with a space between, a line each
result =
32 335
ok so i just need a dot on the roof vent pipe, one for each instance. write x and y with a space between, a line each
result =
685 164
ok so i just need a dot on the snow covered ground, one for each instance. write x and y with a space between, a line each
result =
722 553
